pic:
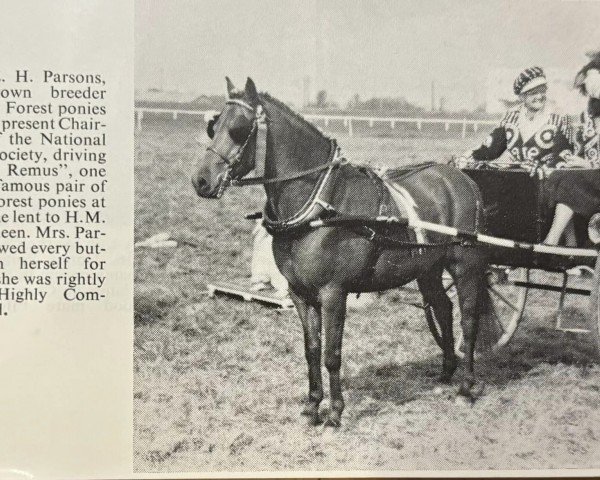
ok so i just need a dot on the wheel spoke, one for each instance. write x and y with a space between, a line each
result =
501 297
507 319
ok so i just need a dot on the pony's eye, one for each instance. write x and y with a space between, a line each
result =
210 128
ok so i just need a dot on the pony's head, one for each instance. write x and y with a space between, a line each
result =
233 133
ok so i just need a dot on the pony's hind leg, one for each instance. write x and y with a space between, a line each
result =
333 309
434 294
469 276
311 325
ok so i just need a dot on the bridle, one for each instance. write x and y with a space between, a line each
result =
236 158
259 129
233 160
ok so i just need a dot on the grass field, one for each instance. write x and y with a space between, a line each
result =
219 383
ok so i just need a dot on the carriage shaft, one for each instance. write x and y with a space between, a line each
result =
552 288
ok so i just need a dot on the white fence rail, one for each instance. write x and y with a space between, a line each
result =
349 121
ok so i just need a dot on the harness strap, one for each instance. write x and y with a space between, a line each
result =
260 154
365 226
315 205
304 173
260 127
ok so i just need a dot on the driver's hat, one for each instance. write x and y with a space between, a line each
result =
529 79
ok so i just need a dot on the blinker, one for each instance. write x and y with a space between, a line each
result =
210 128
240 130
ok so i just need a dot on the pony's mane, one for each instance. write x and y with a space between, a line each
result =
282 106
240 95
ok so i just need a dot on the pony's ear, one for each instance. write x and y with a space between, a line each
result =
251 92
230 87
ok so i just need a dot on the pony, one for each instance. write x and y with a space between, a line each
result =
306 179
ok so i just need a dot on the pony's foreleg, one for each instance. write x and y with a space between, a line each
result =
311 325
333 309
432 289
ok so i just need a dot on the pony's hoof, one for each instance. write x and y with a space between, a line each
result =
310 410
477 390
448 369
471 390
333 419
465 389
314 420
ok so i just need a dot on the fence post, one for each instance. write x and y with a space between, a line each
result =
419 125
464 128
140 115
350 132
447 126
393 124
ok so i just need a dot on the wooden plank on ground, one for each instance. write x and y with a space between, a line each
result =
248 295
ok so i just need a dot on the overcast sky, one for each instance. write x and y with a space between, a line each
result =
373 48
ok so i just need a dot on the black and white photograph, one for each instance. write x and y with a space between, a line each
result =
366 237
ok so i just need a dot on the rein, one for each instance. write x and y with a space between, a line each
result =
293 176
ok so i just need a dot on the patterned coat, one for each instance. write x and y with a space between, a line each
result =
547 145
587 141
579 189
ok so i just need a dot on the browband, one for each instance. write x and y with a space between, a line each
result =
241 103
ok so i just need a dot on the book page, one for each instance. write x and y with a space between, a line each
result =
281 239
66 217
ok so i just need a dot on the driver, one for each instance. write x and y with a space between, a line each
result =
530 133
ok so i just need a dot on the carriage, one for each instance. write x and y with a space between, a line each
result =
517 208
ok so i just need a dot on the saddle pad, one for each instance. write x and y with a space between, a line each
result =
403 200
406 205
401 172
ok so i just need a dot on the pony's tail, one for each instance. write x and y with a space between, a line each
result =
490 329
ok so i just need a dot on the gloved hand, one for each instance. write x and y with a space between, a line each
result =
463 161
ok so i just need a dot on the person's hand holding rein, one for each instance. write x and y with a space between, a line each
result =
575 161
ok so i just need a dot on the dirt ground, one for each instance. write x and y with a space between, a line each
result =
219 383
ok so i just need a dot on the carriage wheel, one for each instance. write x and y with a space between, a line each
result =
508 303
595 308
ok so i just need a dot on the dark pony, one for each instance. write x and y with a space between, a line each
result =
306 180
